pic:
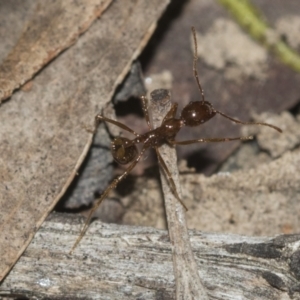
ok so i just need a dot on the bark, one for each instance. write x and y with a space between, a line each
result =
128 262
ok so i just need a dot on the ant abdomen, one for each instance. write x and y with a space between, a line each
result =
123 151
196 113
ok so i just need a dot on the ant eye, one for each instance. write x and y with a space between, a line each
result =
197 112
122 154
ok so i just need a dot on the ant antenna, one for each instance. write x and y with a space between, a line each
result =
248 123
195 64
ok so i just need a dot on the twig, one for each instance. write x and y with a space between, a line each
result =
248 17
188 283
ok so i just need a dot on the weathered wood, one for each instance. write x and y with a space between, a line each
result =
126 262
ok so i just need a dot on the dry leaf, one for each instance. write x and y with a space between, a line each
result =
53 28
44 140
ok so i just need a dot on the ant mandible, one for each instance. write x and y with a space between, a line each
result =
125 151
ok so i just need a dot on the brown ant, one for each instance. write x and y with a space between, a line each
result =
125 151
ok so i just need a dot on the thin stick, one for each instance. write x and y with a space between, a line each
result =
188 283
145 110
169 177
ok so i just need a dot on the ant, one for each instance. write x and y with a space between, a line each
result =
125 151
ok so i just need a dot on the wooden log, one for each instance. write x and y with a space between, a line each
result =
127 262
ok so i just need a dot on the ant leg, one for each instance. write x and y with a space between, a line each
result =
171 113
100 118
248 123
211 140
145 110
169 177
104 195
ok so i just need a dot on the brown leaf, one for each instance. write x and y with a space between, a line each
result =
44 140
53 28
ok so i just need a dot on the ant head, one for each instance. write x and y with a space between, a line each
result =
123 150
197 113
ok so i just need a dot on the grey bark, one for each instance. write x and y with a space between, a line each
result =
127 262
